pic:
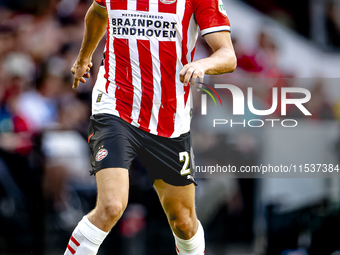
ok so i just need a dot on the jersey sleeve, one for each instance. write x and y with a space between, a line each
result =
101 3
211 16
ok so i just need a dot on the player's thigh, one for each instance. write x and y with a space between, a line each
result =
177 201
112 198
112 187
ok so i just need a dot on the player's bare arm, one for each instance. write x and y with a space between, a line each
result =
223 60
95 28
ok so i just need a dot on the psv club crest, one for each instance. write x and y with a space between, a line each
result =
101 154
168 1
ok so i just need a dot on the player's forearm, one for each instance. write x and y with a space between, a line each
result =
95 28
221 61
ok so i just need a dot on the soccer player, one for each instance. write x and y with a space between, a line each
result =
142 105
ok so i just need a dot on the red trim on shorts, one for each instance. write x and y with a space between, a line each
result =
88 140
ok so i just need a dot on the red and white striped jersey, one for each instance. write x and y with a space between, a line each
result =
148 43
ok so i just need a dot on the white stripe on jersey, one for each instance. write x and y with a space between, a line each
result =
192 34
157 95
153 7
132 4
112 61
137 82
156 67
107 102
112 67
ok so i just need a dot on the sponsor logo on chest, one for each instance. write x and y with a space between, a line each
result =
143 25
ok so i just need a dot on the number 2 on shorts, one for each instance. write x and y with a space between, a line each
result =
184 157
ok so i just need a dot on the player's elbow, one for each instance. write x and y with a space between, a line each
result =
232 63
229 62
96 14
228 66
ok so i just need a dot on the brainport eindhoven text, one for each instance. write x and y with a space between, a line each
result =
239 107
143 27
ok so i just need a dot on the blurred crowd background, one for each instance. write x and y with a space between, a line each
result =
45 187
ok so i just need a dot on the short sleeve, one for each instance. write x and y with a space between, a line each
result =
211 16
101 3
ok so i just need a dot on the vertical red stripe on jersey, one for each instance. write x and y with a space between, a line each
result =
167 6
119 4
145 64
107 56
143 5
185 26
124 90
167 111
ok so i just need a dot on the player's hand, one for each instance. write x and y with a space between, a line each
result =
80 72
191 72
